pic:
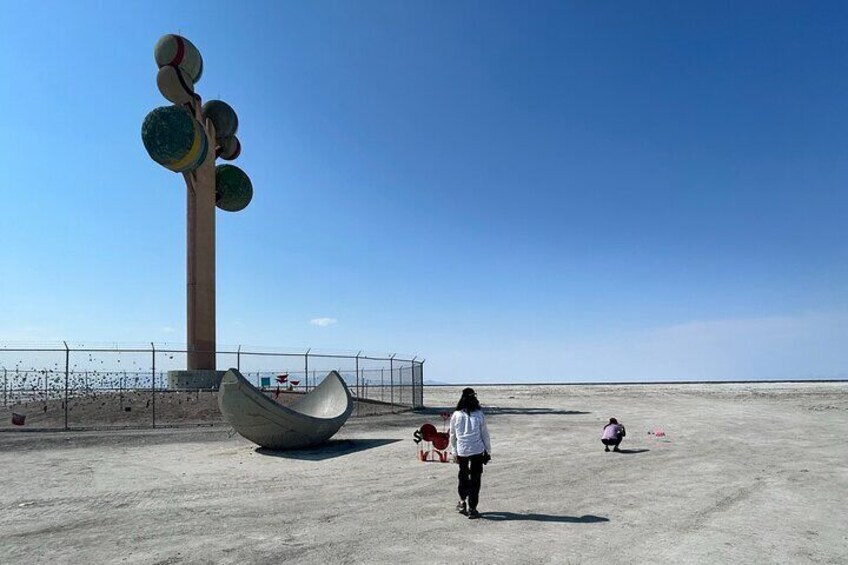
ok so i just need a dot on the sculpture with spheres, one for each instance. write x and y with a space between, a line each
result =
187 137
177 140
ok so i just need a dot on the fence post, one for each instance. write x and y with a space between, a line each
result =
5 388
238 359
67 368
412 382
392 379
382 385
306 368
358 390
153 380
421 376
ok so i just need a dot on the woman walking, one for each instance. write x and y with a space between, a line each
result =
469 439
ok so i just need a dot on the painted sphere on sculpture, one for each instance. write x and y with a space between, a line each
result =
230 148
174 139
175 85
233 189
223 117
177 51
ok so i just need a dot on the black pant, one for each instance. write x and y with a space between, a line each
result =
470 469
612 441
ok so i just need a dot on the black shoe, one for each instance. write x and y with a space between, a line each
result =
462 508
616 448
606 449
473 514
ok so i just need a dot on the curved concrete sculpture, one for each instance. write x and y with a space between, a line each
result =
308 421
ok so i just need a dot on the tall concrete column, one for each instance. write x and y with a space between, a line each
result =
200 259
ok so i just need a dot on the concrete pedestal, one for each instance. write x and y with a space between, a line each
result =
193 380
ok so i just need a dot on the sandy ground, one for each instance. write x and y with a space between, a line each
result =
745 474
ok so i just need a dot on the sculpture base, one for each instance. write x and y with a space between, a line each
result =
200 379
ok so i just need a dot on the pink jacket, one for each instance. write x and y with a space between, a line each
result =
613 431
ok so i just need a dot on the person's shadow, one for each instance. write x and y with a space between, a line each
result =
631 451
512 516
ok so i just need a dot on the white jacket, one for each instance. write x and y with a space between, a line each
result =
468 433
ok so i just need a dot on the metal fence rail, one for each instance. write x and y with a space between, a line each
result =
74 386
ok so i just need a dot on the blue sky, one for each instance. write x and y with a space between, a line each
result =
552 191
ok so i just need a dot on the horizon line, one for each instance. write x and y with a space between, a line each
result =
618 383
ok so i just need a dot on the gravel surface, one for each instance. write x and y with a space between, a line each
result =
742 474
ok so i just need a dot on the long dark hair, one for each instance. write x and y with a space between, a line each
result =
468 402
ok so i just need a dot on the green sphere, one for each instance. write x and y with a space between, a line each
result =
233 189
230 148
174 139
223 116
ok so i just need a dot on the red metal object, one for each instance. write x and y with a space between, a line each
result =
428 432
441 441
282 378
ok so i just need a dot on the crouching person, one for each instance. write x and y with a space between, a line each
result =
613 434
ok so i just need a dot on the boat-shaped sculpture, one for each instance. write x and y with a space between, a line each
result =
310 420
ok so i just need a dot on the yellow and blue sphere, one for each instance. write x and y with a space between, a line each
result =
174 139
177 51
233 189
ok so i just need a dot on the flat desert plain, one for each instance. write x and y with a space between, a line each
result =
744 473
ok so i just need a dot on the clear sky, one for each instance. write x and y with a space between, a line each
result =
514 191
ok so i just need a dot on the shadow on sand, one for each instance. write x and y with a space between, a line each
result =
498 410
512 516
631 451
327 450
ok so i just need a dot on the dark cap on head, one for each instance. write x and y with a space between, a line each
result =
468 401
613 421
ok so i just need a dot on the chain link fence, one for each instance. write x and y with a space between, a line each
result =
74 386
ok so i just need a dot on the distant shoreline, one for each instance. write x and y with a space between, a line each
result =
625 383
